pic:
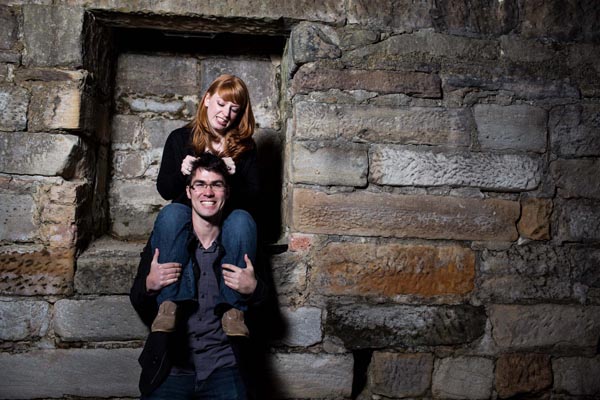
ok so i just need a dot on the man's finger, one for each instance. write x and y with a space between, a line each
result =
248 262
155 258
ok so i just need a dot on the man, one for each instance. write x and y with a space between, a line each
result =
197 360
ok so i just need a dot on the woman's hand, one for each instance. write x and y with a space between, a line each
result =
186 165
240 279
161 275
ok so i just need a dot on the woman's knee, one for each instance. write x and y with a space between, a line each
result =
241 222
171 219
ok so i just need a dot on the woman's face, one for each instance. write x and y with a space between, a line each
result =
221 113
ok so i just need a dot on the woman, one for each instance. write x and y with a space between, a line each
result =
223 125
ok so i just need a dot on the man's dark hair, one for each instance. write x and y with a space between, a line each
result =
211 163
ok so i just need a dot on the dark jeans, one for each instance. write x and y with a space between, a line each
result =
170 236
222 384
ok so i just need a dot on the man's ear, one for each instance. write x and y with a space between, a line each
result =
187 191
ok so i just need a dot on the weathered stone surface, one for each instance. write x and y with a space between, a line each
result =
514 127
577 178
415 125
482 18
8 28
313 77
303 326
155 106
129 164
310 42
401 15
403 166
364 326
108 266
518 374
400 375
16 217
353 37
585 266
31 272
577 375
156 131
160 75
312 375
138 194
289 275
38 153
65 373
52 35
126 132
383 214
355 269
13 103
22 320
575 130
545 325
103 319
463 378
517 49
534 223
578 220
334 163
55 106
525 272
129 223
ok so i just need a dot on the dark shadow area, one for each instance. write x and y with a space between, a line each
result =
362 359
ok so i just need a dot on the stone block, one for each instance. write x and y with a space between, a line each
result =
313 77
138 194
577 178
310 42
414 125
355 269
463 378
578 220
514 127
333 163
289 275
545 325
575 130
577 376
522 374
130 223
35 272
530 51
68 373
400 375
366 326
534 223
23 320
312 375
129 164
38 153
585 266
55 106
159 75
17 217
156 131
140 105
104 319
53 35
126 132
384 214
481 18
402 166
8 28
535 271
13 103
403 15
108 266
303 326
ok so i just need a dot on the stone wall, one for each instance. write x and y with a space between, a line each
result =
434 191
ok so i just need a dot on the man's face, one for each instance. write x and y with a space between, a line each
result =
207 201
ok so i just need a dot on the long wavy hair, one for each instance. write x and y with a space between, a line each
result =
238 137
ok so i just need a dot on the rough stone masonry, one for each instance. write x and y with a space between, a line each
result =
432 190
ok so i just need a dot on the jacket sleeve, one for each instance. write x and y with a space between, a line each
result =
143 303
171 182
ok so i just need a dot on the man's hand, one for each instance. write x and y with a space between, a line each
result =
161 275
240 279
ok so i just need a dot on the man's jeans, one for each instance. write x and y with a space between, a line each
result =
170 236
222 384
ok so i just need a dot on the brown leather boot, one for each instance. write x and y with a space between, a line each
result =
165 319
233 323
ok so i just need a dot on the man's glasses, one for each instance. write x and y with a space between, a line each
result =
217 186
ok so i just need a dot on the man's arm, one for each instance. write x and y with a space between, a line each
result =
245 281
142 301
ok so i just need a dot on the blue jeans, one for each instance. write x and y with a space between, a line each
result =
170 235
222 384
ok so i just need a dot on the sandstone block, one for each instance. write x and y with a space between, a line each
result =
13 103
400 375
578 220
396 165
514 127
516 49
156 131
401 15
535 218
17 217
585 266
65 373
354 269
140 105
129 164
32 272
130 223
106 318
22 320
575 130
459 18
382 214
55 105
365 326
519 374
8 28
126 132
335 163
463 378
289 275
312 77
577 178
312 375
545 325
38 153
303 326
310 42
52 35
577 376
414 125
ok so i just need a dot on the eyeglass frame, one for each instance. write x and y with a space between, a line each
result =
215 186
